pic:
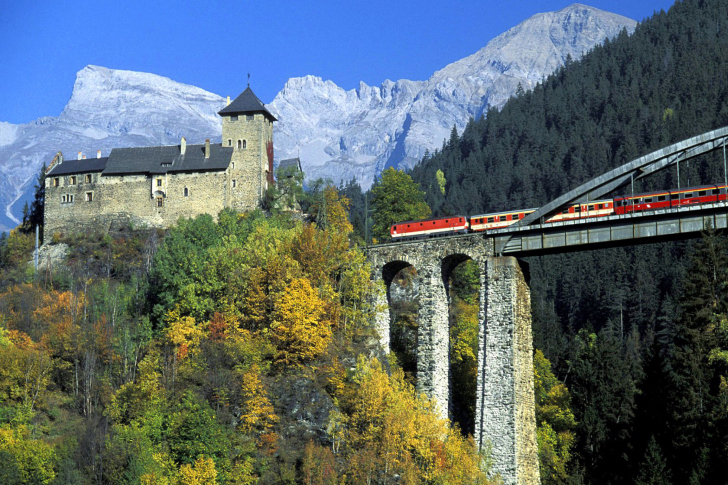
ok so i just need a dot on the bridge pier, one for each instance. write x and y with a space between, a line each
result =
433 338
505 421
505 410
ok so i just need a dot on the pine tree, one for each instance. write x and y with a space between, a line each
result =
33 215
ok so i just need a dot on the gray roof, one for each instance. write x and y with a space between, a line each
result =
290 162
78 166
246 103
167 159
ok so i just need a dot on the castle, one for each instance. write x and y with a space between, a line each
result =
155 186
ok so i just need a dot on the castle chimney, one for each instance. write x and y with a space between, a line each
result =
60 157
183 145
98 153
84 157
228 103
79 155
207 148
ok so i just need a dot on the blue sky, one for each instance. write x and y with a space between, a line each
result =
214 44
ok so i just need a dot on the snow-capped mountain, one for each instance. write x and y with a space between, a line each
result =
343 134
339 134
108 109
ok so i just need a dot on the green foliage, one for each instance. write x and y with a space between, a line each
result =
287 192
555 423
441 180
396 198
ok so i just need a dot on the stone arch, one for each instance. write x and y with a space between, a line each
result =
462 394
384 316
449 263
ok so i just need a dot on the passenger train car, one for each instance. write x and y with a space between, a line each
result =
439 226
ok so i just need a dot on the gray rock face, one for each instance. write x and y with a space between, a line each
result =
358 133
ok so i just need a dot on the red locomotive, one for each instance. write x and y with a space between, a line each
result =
437 226
627 204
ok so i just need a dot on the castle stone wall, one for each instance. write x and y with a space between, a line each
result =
132 199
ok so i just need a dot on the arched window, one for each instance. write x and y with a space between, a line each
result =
240 144
245 144
187 192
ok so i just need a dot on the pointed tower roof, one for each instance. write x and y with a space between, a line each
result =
246 103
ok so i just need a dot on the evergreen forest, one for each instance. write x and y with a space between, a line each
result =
637 334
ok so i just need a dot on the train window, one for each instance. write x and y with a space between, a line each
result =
688 194
490 219
715 191
648 199
590 208
702 193
660 198
565 211
577 209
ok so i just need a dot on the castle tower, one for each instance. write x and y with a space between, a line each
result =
247 126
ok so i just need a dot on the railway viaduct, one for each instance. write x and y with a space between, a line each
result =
505 415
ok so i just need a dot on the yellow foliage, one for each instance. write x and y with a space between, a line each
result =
182 332
257 411
35 458
402 434
319 465
203 472
297 328
25 372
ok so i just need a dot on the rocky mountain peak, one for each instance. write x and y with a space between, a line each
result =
356 134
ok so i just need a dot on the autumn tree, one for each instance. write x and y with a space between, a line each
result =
257 414
297 328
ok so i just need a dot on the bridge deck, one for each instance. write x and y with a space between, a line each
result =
610 231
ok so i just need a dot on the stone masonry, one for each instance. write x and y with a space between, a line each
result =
505 412
130 200
505 407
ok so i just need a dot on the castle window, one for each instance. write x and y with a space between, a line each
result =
89 196
159 182
72 180
234 118
69 198
240 144
63 199
245 144
88 178
233 165
55 181
160 201
186 192
230 142
234 183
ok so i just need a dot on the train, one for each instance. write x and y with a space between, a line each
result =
626 204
